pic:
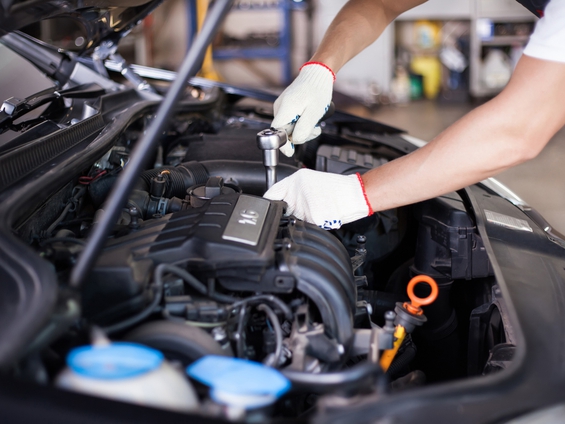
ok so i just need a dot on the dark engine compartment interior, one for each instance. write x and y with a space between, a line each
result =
179 274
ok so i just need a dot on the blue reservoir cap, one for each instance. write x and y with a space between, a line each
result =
238 376
114 361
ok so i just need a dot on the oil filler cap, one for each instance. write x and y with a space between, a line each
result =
114 361
239 383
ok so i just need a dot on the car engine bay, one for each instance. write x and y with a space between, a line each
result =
200 264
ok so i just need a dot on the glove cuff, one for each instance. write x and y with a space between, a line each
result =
352 205
365 194
316 78
319 64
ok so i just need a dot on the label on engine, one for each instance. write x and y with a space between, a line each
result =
247 220
508 221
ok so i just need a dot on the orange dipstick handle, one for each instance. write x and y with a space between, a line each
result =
415 302
414 308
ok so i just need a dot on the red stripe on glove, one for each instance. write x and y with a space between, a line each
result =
365 194
321 64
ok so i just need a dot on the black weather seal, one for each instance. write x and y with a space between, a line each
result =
145 147
22 161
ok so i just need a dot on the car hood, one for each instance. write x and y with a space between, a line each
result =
102 20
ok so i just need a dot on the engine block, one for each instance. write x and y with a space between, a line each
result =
245 243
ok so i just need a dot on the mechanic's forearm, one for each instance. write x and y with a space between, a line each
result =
508 130
358 24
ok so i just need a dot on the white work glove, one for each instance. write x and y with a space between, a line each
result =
304 102
327 200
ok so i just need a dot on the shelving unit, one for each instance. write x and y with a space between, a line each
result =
377 62
479 44
282 51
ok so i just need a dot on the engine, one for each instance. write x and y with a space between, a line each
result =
238 244
200 266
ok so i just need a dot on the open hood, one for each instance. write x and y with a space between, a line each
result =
102 20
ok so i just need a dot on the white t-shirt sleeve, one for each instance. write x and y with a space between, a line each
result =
548 39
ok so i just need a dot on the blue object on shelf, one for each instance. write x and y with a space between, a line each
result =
238 382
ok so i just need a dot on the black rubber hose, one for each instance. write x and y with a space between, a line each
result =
359 377
273 360
178 178
401 361
248 175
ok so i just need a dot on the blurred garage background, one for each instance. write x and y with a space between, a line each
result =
430 67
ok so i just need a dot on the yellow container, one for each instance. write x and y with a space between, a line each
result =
430 68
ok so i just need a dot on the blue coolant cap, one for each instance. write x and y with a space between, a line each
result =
248 383
114 361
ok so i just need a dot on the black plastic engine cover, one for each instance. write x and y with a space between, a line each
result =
230 238
241 241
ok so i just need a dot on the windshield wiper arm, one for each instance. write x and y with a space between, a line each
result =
13 108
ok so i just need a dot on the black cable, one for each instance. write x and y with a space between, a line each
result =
266 298
193 282
361 376
235 302
72 202
239 332
157 296
62 240
273 360
59 219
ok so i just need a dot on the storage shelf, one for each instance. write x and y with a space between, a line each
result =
505 40
250 53
282 52
255 6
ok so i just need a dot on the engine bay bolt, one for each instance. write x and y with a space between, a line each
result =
158 185
389 321
134 215
361 240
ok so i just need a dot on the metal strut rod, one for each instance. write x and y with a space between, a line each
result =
145 147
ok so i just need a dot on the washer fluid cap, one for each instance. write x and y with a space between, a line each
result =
239 382
113 362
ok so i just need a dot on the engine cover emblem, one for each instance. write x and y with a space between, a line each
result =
247 220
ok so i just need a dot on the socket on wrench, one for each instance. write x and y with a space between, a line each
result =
270 140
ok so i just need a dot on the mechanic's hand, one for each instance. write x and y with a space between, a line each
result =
304 102
327 200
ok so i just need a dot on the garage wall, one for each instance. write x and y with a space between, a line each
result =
370 67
